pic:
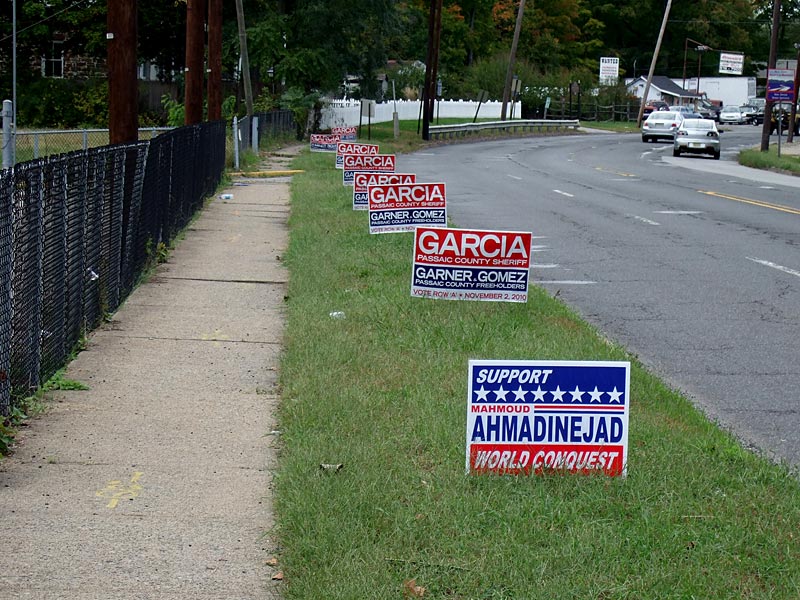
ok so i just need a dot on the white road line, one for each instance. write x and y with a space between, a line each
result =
540 248
545 266
679 212
514 177
643 220
773 265
568 282
568 195
766 187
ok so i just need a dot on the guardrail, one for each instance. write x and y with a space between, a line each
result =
523 125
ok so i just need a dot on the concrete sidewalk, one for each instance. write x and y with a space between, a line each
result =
155 483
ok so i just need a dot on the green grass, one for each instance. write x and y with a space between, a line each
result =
770 160
383 392
617 126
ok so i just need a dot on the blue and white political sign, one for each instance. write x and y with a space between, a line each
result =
540 416
471 264
780 85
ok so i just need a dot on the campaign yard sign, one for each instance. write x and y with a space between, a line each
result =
404 207
343 148
469 264
345 133
534 417
372 163
323 142
362 181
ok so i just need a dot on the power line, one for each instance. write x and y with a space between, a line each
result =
55 14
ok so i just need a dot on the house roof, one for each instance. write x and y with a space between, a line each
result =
665 85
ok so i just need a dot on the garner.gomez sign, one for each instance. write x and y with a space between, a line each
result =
468 264
343 148
362 181
322 142
373 163
403 207
535 417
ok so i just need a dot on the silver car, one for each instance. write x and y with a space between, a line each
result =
732 114
661 124
697 136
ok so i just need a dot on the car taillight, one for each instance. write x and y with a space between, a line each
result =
712 134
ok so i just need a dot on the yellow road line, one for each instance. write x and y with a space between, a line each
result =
116 490
614 172
761 203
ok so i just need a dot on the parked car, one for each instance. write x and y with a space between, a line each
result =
661 125
697 136
655 105
709 108
749 112
758 118
680 108
731 115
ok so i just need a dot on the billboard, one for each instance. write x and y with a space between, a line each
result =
538 416
609 70
362 180
469 264
403 207
731 63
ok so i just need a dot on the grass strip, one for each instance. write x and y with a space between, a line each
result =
785 163
381 390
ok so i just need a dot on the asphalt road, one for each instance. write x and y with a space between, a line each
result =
690 263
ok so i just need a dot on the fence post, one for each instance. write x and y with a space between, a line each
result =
8 138
235 142
254 133
85 139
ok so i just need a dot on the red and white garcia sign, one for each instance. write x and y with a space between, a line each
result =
384 163
404 207
362 180
343 148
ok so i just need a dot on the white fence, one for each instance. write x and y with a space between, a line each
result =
346 113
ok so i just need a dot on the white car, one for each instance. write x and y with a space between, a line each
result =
732 115
661 125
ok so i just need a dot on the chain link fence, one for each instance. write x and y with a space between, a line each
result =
77 230
276 124
46 142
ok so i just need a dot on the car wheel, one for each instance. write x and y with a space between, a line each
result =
676 152
645 139
716 155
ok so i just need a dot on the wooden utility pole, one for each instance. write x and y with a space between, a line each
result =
511 60
214 60
653 63
773 58
123 90
248 88
432 61
194 76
